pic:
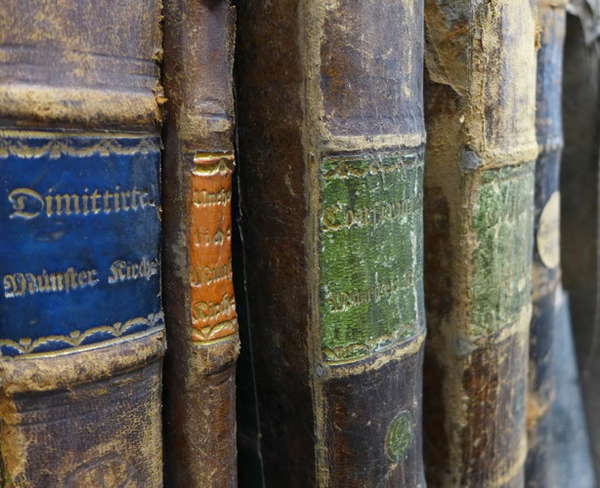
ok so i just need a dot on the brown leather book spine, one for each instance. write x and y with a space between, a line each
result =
546 252
479 185
331 142
198 288
81 324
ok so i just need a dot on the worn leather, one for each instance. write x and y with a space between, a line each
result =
80 402
479 186
200 433
84 417
330 144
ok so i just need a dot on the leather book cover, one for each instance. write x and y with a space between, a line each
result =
546 252
200 429
479 185
580 200
81 324
331 136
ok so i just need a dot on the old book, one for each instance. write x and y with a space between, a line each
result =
331 158
81 326
580 184
546 252
198 289
479 186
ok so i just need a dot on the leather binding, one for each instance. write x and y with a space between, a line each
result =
203 338
479 185
546 252
81 325
579 185
331 135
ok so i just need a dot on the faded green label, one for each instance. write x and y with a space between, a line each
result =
371 253
503 227
399 436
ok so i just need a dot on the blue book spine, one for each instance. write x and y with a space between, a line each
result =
79 239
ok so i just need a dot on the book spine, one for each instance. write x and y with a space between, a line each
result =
579 187
546 253
331 211
81 324
199 298
479 184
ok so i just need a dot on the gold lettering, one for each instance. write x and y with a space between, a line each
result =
125 271
43 282
14 285
124 196
84 198
134 204
143 202
116 200
20 198
94 197
203 198
21 284
49 204
82 278
209 310
105 200
337 217
28 203
204 275
67 199
93 277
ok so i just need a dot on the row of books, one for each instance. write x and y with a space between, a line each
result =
374 166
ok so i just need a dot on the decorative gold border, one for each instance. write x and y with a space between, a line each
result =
210 164
211 333
27 345
57 146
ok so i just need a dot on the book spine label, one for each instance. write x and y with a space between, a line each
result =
370 287
80 248
79 253
501 224
546 252
209 247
